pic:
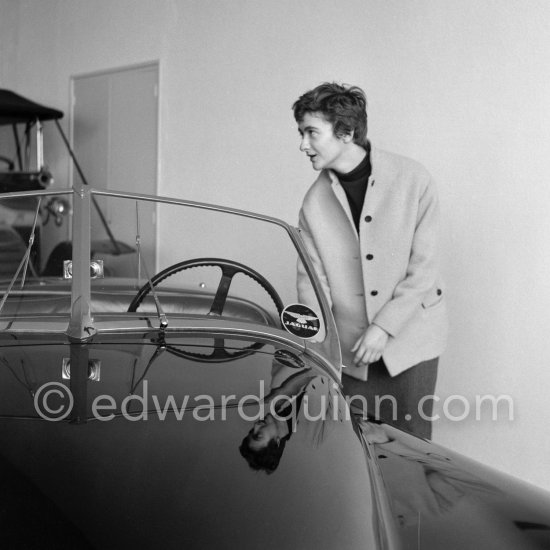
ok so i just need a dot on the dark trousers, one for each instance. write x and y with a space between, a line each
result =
397 400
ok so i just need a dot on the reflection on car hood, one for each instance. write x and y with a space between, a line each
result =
149 453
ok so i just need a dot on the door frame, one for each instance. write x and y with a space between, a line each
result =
155 64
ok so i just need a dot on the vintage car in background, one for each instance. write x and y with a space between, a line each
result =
178 395
22 164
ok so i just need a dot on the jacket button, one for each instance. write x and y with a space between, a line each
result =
369 256
373 292
368 219
439 292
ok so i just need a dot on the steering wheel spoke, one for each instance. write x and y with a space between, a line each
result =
223 290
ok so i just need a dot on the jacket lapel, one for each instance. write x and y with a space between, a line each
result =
379 181
340 194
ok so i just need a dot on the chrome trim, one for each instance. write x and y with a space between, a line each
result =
192 204
40 193
81 325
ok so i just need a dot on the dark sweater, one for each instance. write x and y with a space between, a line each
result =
355 186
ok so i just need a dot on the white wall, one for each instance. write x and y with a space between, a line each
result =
461 86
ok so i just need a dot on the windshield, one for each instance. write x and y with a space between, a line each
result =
193 247
32 228
159 259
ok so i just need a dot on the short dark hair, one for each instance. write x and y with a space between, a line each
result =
267 458
345 107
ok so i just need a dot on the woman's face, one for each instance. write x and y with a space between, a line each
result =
262 433
323 148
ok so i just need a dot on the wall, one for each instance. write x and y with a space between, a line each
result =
460 86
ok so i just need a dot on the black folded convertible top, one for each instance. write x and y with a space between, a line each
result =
15 108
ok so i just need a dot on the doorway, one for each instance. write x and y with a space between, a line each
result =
114 133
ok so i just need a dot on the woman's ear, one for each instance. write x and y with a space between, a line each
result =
346 138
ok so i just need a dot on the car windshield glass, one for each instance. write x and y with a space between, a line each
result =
200 261
32 228
150 258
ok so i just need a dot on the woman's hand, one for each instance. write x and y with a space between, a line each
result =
370 346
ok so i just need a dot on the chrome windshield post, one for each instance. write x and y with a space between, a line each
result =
81 325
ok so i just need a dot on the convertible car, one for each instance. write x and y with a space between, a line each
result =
179 395
195 403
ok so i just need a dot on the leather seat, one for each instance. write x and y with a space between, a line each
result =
118 300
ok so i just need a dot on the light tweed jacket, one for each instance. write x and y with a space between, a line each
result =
388 275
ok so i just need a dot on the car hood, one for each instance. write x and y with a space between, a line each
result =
135 442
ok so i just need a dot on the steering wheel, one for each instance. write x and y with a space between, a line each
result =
219 354
229 270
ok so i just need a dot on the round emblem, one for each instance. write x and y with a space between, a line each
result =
300 320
